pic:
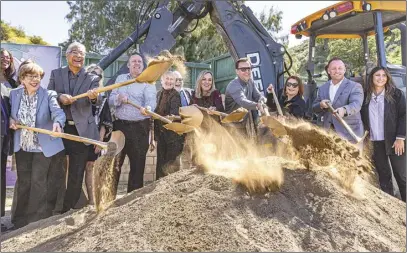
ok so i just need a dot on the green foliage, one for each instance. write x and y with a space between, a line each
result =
12 34
101 25
350 50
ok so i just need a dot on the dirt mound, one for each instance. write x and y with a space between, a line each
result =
192 211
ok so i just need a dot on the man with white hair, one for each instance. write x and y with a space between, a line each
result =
185 93
70 81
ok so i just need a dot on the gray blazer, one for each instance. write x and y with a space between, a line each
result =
81 110
350 96
240 94
48 113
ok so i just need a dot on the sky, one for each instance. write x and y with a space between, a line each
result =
47 18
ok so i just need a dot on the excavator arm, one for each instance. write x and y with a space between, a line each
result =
240 29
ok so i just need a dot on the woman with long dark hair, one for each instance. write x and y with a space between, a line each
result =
8 70
384 115
291 100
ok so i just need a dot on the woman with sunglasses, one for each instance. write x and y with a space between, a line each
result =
291 100
384 115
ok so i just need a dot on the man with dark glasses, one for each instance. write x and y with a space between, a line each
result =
242 92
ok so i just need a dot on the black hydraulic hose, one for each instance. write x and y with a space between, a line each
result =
192 15
286 69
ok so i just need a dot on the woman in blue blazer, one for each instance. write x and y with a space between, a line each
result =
39 157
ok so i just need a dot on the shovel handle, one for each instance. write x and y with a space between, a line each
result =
275 98
152 114
345 125
217 113
71 137
107 88
173 117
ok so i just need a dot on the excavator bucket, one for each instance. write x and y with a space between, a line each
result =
275 126
235 116
105 178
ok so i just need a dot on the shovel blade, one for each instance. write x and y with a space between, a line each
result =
179 128
105 176
276 127
235 116
191 116
153 72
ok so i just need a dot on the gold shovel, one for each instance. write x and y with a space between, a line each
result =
179 128
150 75
104 177
235 116
345 125
277 128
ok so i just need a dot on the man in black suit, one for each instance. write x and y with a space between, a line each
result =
70 81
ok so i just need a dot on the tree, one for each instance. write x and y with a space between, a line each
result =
101 25
13 34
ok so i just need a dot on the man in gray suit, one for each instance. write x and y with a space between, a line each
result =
346 97
70 81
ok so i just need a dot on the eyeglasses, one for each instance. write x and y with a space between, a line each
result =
179 79
30 77
76 53
245 69
294 85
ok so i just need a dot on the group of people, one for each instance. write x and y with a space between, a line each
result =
42 160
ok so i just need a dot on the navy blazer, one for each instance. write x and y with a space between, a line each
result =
48 113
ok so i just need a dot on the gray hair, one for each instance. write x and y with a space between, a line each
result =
75 45
92 67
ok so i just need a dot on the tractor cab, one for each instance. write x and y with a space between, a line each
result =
355 19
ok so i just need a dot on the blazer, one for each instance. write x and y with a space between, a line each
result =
394 119
350 96
48 113
81 110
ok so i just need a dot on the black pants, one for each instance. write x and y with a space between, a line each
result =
169 146
136 147
3 180
78 156
32 173
56 180
398 164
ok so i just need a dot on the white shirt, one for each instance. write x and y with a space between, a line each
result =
333 89
376 117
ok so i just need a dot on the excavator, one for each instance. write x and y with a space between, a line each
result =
241 30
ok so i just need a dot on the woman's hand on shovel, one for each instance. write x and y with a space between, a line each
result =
56 127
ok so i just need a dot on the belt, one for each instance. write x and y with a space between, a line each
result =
70 122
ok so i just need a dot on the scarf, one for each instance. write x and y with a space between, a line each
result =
163 101
26 116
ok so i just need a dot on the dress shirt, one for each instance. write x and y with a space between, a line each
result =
142 94
376 117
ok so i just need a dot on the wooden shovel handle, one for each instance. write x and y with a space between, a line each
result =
217 113
275 98
65 136
152 114
107 88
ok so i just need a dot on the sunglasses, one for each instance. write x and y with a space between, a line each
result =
294 85
245 69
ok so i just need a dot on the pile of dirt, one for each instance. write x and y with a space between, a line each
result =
193 211
309 195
